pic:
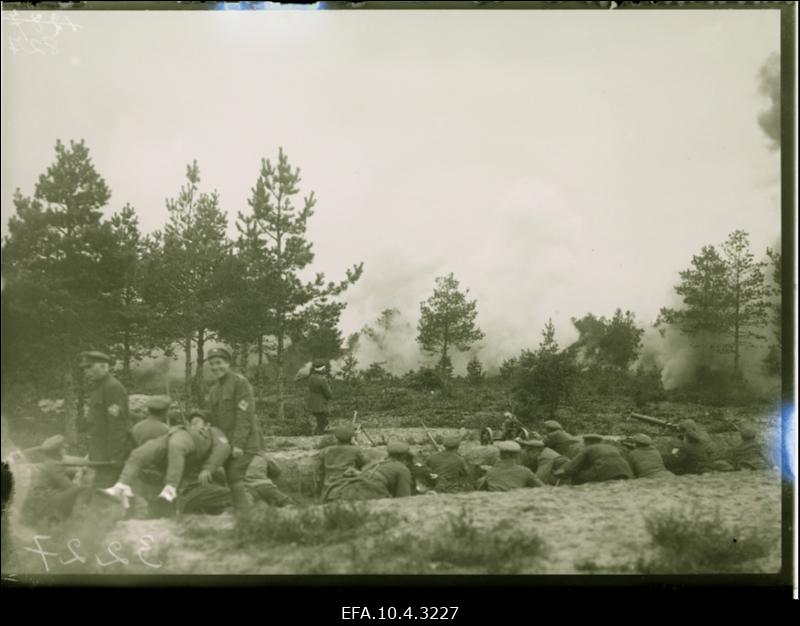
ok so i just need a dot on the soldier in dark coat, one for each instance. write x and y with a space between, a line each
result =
597 462
336 459
232 410
154 425
556 438
645 460
388 478
541 460
507 473
108 418
448 466
695 453
54 491
318 395
750 454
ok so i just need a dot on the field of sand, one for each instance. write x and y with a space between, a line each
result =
583 529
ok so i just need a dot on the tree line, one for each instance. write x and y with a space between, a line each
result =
77 281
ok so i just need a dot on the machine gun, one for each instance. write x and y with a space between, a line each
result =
657 422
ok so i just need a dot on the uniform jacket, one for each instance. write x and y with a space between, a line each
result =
563 443
184 453
598 462
646 462
450 467
147 429
694 456
319 392
383 479
233 411
337 458
261 471
505 476
549 460
108 421
750 455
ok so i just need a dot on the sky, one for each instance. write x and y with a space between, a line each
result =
557 162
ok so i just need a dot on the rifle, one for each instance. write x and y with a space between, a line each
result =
656 422
87 463
436 446
360 429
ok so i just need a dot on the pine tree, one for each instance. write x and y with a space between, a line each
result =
56 259
747 310
187 283
447 320
274 234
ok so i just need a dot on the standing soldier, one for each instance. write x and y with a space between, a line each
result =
233 411
108 418
319 393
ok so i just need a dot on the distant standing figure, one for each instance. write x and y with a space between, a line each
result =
319 393
108 418
232 409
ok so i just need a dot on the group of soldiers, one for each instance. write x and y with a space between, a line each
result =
215 460
212 461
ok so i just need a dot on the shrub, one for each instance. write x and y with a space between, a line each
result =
690 541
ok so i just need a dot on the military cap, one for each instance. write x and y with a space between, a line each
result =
642 439
94 356
51 444
398 447
219 352
197 413
452 441
747 432
508 446
344 433
593 437
688 425
531 443
158 403
552 425
318 363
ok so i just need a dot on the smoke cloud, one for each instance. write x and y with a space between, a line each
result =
769 78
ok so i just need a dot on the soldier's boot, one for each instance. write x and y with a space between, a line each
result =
241 497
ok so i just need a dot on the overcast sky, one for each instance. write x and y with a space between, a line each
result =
558 162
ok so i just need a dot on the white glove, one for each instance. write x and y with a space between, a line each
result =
122 491
168 493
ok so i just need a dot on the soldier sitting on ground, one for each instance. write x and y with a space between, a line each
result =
541 460
507 473
448 466
556 438
597 462
750 453
54 489
645 460
336 459
191 455
388 478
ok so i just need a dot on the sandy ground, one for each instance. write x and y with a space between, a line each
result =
589 528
